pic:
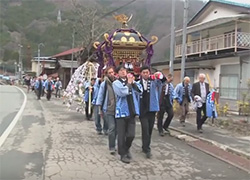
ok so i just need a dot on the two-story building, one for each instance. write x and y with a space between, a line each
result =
64 63
46 65
218 44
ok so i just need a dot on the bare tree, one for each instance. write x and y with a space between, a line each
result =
89 24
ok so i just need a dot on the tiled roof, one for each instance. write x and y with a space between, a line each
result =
228 2
68 52
246 5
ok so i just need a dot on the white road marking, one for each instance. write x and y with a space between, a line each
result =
14 121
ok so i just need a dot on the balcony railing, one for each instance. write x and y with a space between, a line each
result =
215 44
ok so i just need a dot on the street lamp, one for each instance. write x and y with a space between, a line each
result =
172 41
20 61
72 55
38 61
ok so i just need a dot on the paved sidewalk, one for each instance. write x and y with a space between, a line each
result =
75 151
221 138
52 143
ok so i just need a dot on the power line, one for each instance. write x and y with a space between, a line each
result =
117 9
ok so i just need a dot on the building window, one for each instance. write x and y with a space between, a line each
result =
229 86
190 73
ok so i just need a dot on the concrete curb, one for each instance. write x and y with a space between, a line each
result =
221 146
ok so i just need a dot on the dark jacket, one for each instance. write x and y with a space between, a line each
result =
196 89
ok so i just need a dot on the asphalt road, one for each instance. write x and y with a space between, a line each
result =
53 143
11 100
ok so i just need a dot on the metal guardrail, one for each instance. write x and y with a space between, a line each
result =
215 43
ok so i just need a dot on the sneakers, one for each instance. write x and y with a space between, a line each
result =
112 151
148 155
182 123
161 134
99 132
167 131
200 130
129 156
125 159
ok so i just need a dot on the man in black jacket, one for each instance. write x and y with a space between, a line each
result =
201 89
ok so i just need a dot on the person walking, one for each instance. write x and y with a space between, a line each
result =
149 105
58 87
28 83
98 118
39 87
106 103
33 82
48 87
200 90
43 90
166 105
89 88
127 93
183 97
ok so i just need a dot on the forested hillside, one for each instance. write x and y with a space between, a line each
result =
29 23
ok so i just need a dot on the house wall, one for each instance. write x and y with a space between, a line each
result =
215 11
48 65
225 76
245 71
214 75
34 66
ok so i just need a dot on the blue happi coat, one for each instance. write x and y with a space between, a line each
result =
171 94
96 90
154 95
179 89
102 99
121 93
210 105
86 92
46 85
37 84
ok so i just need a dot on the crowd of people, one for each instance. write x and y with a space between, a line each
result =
43 86
118 98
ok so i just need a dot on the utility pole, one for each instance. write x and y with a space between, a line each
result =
20 61
15 68
72 55
184 39
172 42
38 58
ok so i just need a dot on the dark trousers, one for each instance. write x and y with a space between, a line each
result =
48 95
147 125
126 134
58 92
39 93
110 120
200 120
42 92
88 115
168 108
